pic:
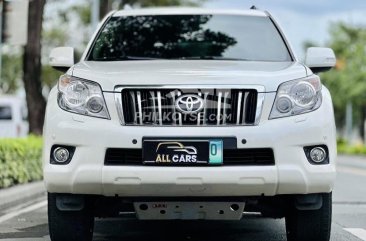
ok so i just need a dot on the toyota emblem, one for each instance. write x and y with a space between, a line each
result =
189 104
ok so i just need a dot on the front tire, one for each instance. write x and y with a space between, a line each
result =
310 225
69 225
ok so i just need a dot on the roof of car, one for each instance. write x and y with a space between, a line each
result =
188 11
10 99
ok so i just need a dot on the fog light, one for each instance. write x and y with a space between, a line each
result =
61 155
318 154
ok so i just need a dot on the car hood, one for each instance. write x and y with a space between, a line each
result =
189 72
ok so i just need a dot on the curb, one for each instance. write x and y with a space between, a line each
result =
13 196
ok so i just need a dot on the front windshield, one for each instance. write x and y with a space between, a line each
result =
231 37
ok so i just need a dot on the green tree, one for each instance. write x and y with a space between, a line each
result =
107 5
347 82
60 31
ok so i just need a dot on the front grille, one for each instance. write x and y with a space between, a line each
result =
232 157
159 107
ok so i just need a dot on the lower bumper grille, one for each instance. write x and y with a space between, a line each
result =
232 157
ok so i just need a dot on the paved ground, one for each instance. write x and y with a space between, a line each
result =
349 219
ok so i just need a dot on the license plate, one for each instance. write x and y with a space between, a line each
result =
183 152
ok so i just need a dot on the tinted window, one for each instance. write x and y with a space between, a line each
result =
190 37
5 113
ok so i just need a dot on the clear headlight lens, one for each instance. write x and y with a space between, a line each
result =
76 94
81 97
297 97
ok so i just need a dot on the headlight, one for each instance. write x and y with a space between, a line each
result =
81 97
297 97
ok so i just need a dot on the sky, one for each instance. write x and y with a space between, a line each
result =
304 20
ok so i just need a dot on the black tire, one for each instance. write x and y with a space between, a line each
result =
310 225
69 225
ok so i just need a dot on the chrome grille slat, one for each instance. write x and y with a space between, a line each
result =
199 114
160 109
238 111
152 106
205 107
134 107
218 118
180 122
244 107
224 107
174 121
139 106
152 93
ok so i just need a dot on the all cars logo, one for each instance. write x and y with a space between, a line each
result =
181 153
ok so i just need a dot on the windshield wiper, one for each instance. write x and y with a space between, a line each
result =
212 58
126 58
138 58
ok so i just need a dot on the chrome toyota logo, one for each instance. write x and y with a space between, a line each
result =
189 104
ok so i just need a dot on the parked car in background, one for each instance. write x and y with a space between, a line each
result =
13 117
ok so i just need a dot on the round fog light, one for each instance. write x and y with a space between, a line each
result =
318 154
61 154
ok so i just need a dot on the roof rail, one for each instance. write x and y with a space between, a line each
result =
253 7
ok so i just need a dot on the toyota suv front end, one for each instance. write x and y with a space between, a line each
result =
190 114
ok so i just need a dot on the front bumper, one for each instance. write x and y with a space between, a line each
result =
292 173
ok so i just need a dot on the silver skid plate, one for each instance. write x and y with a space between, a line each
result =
189 210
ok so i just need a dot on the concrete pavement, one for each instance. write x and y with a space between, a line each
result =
20 194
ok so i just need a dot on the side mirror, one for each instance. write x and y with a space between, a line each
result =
62 58
320 59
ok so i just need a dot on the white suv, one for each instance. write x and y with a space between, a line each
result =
190 114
